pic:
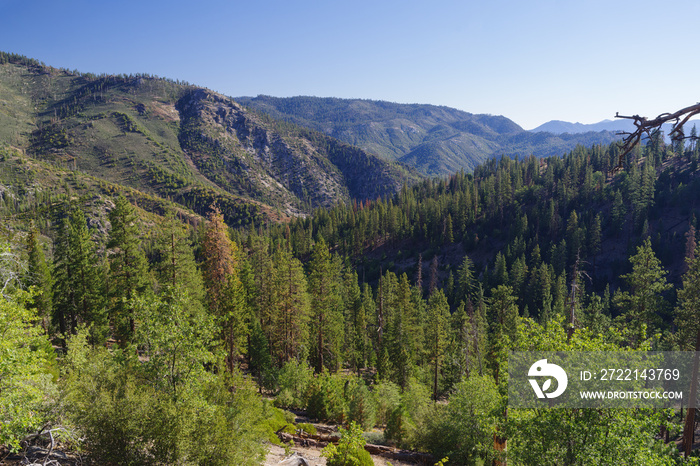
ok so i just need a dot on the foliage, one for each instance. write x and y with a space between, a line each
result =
361 404
293 380
406 422
464 429
350 449
326 397
126 418
128 267
27 387
387 396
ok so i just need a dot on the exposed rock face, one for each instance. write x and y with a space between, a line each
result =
277 163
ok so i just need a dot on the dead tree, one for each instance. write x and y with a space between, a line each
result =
644 128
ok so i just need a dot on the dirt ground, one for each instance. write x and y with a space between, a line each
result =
314 458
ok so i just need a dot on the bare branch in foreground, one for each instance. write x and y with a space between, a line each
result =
645 128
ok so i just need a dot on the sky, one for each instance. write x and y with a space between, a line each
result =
531 61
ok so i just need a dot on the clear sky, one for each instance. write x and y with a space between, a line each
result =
531 61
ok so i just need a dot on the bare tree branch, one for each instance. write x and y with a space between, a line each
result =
645 128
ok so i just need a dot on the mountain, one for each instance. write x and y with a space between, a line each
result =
561 127
436 140
182 142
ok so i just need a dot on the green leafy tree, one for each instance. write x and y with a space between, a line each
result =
39 276
463 430
27 389
350 449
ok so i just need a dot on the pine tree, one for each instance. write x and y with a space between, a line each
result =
642 304
688 323
690 245
403 335
292 316
436 334
225 293
176 266
326 308
352 306
128 267
77 288
466 282
503 316
433 275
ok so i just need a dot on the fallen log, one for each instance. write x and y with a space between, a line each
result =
320 441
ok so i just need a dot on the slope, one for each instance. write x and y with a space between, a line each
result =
435 140
182 142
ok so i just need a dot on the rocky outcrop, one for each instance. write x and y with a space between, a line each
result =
281 164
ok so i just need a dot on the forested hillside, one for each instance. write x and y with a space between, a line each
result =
141 328
181 142
437 141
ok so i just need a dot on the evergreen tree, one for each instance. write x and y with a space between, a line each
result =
688 308
225 293
642 305
39 276
436 334
128 267
175 266
292 316
466 281
326 308
77 289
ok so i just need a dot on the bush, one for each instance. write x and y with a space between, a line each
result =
326 398
27 390
350 450
361 406
125 419
406 420
387 396
293 380
276 419
464 428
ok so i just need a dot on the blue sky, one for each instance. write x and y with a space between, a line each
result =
531 61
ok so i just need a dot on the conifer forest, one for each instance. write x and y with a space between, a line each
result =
159 306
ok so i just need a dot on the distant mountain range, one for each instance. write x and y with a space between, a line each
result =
435 140
565 127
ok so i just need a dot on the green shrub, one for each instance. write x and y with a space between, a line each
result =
293 381
276 419
350 450
464 428
125 418
387 396
362 408
27 390
326 398
406 421
308 428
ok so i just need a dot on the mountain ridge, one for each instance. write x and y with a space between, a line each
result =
182 142
436 140
561 127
